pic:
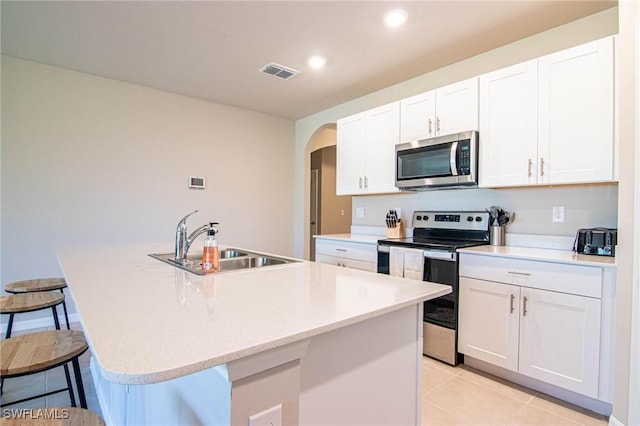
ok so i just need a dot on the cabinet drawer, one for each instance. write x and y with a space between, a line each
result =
356 251
571 279
347 263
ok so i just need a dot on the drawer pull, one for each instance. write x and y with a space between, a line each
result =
512 300
541 166
524 306
341 249
526 274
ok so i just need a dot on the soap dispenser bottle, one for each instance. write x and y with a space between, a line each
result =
211 252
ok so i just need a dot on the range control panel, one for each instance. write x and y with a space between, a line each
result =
464 220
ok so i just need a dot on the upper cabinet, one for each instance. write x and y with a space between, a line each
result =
549 121
366 151
446 110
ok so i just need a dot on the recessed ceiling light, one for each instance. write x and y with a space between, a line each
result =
316 62
395 18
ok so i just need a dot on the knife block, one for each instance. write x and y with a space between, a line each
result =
397 232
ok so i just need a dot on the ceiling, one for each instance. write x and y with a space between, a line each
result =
212 50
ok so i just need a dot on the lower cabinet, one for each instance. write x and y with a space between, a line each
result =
356 255
548 335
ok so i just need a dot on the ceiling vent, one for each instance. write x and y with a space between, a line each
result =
279 71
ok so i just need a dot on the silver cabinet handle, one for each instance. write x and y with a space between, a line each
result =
438 124
512 300
360 182
341 249
541 166
366 182
430 126
529 167
526 274
524 306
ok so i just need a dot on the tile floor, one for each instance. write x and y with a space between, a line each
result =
450 396
463 396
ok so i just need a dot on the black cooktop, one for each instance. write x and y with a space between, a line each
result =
441 244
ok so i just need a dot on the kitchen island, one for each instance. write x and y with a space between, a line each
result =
315 343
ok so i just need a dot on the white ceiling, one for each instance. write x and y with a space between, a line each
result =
213 49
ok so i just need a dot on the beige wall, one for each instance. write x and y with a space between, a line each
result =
581 31
335 211
89 160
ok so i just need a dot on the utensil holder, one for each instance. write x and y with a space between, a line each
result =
497 235
397 232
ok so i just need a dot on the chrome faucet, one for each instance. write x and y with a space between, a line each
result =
183 242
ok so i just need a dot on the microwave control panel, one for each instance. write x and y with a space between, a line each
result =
464 157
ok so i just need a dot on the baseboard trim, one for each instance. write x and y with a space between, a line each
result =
615 422
36 323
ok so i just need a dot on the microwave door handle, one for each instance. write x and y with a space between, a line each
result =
453 159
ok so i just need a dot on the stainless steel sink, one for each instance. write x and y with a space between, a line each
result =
230 260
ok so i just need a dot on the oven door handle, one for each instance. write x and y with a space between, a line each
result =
440 255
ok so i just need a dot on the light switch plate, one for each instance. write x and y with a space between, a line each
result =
269 417
359 211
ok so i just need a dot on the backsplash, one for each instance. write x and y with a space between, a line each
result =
585 206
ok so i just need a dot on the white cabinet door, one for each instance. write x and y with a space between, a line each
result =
560 339
576 114
350 159
457 107
381 136
509 126
418 115
488 322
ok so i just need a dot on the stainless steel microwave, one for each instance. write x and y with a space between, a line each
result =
436 163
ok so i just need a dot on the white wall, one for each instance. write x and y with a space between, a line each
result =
585 206
89 160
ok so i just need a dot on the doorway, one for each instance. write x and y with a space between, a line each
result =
328 212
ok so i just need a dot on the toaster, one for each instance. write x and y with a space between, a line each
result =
596 241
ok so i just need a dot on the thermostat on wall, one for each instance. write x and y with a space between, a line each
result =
196 182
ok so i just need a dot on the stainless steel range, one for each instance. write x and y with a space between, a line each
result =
439 235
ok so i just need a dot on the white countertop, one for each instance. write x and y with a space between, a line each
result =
354 238
546 255
147 321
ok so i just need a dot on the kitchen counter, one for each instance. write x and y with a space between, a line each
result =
353 238
546 255
147 321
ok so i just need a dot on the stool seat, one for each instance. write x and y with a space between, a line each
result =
40 284
35 352
27 302
58 416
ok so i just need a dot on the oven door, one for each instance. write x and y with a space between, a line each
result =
442 268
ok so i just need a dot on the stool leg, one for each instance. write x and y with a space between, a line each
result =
55 317
76 370
69 384
9 326
64 307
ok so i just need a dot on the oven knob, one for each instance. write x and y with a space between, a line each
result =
425 217
418 217
478 218
469 218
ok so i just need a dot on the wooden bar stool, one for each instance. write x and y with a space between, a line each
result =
35 352
29 302
40 284
58 416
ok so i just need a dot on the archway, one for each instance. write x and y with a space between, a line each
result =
324 212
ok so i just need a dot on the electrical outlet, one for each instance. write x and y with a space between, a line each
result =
269 417
558 214
359 211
